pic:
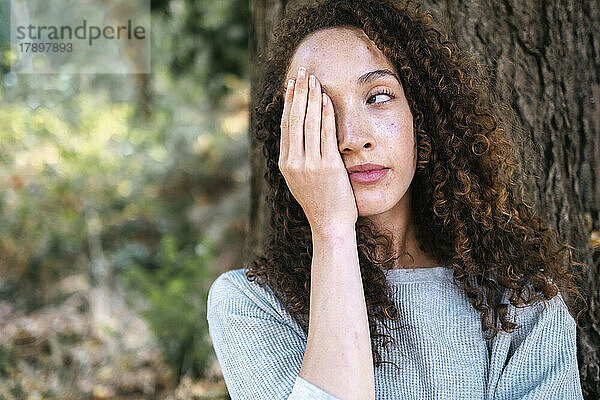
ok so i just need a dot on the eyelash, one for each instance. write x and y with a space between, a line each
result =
383 91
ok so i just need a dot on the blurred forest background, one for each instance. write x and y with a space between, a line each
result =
122 197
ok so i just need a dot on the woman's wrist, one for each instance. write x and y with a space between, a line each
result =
333 232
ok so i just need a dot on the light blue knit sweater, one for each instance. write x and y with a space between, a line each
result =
442 353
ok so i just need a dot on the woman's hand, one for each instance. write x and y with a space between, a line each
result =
309 158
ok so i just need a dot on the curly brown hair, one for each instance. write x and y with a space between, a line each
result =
470 212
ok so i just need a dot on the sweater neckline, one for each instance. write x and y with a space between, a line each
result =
423 274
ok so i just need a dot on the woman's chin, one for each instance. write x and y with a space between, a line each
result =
369 210
371 202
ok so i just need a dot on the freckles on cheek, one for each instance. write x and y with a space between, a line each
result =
395 128
401 131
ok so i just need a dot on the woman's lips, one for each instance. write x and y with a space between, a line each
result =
368 176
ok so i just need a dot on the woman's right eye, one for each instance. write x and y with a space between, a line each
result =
376 95
384 92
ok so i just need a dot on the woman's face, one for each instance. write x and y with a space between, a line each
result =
373 120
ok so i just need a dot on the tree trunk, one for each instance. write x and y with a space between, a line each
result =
546 58
546 62
265 14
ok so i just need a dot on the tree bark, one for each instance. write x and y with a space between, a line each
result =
545 59
265 14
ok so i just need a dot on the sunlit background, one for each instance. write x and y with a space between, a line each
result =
122 198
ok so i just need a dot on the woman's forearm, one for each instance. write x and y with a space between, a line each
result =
338 352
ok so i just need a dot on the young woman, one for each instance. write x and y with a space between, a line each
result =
395 220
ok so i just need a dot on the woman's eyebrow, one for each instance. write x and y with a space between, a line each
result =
370 76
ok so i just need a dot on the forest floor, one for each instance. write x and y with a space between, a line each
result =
72 350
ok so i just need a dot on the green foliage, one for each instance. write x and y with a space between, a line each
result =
176 302
8 359
91 186
214 42
69 184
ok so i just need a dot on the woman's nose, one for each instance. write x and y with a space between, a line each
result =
354 134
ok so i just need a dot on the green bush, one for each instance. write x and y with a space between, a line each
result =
175 297
118 178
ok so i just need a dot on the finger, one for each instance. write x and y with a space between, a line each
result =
284 140
297 113
329 146
312 121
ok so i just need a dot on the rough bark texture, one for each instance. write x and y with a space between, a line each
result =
265 15
546 62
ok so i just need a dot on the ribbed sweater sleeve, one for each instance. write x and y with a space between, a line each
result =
260 353
541 360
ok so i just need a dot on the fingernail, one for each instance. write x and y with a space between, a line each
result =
324 99
302 72
311 81
290 83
